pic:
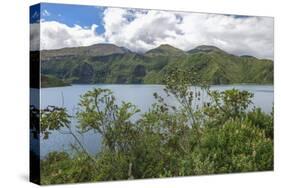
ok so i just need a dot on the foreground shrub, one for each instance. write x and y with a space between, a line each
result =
222 136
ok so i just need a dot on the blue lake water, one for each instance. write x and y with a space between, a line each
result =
140 95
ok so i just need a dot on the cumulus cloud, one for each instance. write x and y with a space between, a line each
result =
148 29
141 30
243 35
55 35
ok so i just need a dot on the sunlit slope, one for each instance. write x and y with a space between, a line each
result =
108 63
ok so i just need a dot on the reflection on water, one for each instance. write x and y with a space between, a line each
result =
140 95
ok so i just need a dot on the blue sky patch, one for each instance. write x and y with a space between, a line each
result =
82 15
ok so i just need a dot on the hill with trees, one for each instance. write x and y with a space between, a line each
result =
108 63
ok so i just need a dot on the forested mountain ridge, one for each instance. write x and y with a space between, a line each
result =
108 63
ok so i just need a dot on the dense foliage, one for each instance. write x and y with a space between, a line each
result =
52 81
195 137
107 63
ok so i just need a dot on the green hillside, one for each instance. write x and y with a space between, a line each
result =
108 63
52 81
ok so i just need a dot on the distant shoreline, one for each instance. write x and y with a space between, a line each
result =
212 85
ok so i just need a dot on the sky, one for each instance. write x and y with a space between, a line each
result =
139 30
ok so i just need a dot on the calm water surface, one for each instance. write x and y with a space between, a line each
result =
140 95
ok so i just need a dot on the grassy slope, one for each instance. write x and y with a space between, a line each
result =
213 64
51 81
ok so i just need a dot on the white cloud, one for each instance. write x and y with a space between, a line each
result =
34 36
55 35
148 29
251 35
141 30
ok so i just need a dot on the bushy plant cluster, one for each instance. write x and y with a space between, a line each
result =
194 137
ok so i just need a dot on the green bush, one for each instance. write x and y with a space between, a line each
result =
223 136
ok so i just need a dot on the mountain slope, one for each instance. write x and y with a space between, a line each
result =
102 49
165 50
107 63
205 48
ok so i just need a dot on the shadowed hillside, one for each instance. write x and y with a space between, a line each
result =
108 63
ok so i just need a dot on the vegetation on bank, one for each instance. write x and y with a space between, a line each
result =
52 81
210 137
107 63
